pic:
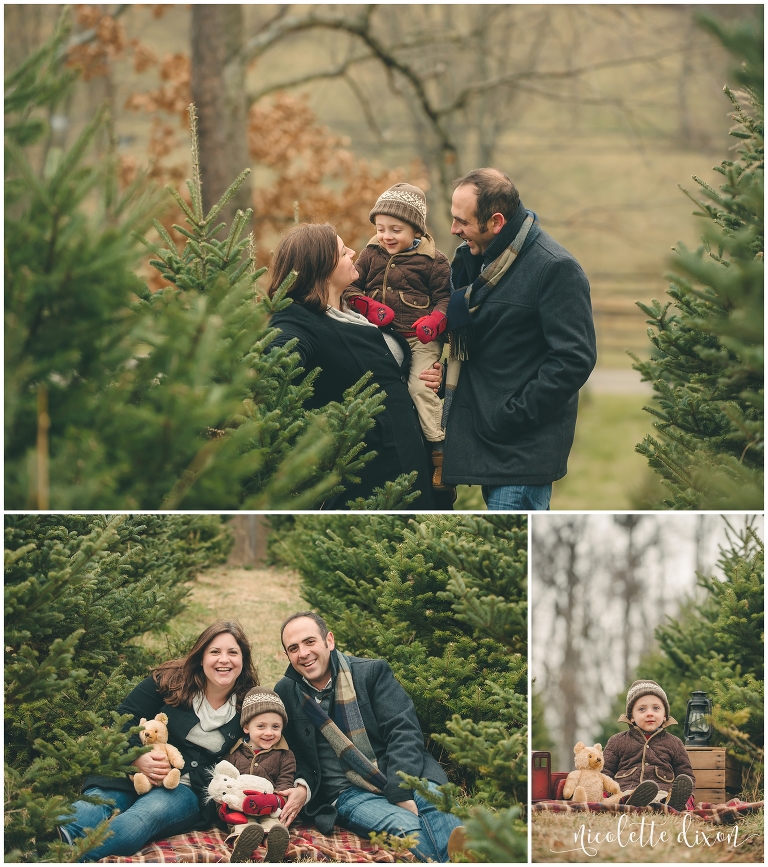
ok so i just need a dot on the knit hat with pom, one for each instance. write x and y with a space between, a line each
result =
405 202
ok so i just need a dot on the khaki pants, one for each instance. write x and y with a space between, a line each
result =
427 403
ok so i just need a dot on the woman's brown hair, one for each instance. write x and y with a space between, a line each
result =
179 680
312 250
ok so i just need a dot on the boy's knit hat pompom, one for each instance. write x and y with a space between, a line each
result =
404 202
645 687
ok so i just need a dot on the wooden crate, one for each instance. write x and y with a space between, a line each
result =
718 775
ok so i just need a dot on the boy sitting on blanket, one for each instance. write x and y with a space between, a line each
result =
648 759
262 752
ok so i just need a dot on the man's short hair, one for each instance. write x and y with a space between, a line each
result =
321 624
496 194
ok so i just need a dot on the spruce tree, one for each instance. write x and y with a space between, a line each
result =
79 591
120 398
707 363
443 600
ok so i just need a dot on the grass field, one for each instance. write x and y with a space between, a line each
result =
259 598
579 837
604 470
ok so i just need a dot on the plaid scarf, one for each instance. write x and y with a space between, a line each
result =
465 301
346 731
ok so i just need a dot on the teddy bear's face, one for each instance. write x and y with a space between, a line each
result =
154 733
590 758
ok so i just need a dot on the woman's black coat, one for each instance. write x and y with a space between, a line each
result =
344 352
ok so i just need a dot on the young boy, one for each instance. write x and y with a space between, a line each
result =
405 280
647 758
263 752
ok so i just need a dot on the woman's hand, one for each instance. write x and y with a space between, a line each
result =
296 799
432 376
155 768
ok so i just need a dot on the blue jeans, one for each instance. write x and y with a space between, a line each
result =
361 812
158 814
518 498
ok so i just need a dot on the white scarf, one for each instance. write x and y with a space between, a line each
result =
355 318
206 733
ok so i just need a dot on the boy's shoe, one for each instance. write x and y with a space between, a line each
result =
277 843
248 840
643 794
680 792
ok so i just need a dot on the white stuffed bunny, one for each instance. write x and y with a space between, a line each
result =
228 786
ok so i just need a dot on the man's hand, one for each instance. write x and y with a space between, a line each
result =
409 805
296 799
432 376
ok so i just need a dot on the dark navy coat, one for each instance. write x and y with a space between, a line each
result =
513 416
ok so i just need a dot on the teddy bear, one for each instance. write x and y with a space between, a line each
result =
156 733
228 786
586 784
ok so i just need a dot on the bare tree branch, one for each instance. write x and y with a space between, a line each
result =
338 72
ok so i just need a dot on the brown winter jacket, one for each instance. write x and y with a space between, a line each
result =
277 764
412 283
630 758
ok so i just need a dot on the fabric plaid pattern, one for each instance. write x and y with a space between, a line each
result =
469 299
346 731
306 844
717 814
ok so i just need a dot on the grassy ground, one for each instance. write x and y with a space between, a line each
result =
259 598
559 837
604 470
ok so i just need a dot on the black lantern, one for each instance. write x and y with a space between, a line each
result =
698 731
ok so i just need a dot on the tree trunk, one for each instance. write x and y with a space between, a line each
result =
250 548
218 91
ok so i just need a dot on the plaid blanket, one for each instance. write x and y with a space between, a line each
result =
306 844
717 814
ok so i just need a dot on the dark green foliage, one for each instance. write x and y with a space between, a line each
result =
707 362
79 591
717 644
443 600
116 397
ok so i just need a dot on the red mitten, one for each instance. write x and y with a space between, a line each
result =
232 817
261 804
429 328
373 311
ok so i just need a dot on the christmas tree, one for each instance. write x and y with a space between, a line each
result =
443 600
707 364
117 397
79 591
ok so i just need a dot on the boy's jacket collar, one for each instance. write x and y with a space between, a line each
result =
426 247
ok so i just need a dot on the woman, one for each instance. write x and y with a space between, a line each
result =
201 694
345 346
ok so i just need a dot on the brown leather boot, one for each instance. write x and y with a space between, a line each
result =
437 475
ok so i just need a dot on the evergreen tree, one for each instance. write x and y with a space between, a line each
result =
707 363
717 644
79 591
120 398
443 600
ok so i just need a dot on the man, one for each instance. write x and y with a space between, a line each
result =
351 727
522 345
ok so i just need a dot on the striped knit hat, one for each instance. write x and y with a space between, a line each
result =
405 202
260 700
645 687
